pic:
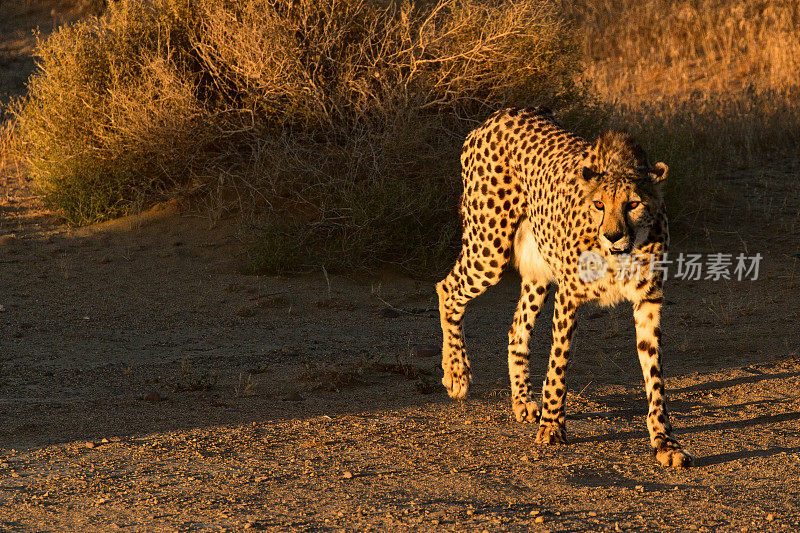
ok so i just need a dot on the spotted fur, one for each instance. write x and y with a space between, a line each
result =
540 198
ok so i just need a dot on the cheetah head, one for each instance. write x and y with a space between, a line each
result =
622 191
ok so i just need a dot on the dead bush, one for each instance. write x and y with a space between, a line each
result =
337 123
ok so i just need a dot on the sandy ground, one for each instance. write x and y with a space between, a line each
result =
147 385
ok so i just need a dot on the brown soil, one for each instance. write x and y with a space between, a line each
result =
147 385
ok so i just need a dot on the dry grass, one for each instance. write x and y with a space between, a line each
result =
640 51
710 86
190 379
6 142
245 386
333 126
336 376
340 375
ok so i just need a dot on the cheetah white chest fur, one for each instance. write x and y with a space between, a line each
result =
528 259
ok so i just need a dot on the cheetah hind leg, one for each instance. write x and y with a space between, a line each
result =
457 375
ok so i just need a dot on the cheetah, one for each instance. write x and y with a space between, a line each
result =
542 199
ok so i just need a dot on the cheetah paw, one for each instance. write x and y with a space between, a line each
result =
551 435
457 384
673 457
526 411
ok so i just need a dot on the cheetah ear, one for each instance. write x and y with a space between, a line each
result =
659 172
589 173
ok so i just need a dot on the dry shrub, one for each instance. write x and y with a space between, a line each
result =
337 123
710 86
111 118
333 127
640 50
6 136
706 140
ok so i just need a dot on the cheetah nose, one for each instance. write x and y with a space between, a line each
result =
614 237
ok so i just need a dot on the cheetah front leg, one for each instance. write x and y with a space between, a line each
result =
666 448
530 303
552 427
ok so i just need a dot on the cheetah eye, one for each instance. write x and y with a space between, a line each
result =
599 205
633 205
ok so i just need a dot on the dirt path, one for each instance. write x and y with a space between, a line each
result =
229 401
438 467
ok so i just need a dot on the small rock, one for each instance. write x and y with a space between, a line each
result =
426 350
6 240
293 396
534 512
616 527
104 441
592 513
538 520
347 475
152 396
89 444
770 517
14 474
389 313
246 312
